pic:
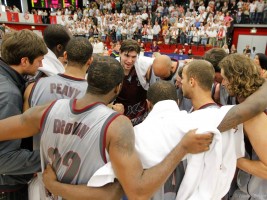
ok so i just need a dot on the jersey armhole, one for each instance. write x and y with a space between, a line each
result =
31 93
103 136
44 116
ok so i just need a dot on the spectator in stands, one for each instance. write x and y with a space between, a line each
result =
156 31
247 51
142 47
155 47
189 53
233 8
166 36
183 36
260 9
174 34
204 36
239 15
16 9
246 13
98 47
45 17
252 11
226 49
196 36
228 19
221 37
144 33
225 7
189 35
113 34
150 33
233 49
253 52
116 50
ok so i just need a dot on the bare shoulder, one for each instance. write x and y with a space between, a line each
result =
27 93
257 122
34 115
120 135
28 90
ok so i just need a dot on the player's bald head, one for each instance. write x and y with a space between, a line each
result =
162 66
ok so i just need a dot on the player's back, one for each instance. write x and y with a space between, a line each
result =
51 88
74 139
55 87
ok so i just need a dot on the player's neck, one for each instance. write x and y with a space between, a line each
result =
202 100
75 71
89 99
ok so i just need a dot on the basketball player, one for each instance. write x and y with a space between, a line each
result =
51 182
81 135
252 176
22 53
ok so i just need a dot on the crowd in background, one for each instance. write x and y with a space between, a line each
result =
191 22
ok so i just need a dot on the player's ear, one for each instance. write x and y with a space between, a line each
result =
65 55
118 88
90 60
192 82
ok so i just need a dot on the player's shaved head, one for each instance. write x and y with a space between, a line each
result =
162 66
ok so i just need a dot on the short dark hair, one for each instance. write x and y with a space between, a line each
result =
55 34
104 74
214 56
79 50
130 45
19 44
202 71
161 90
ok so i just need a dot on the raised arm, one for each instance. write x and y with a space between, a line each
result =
137 182
112 191
253 105
23 125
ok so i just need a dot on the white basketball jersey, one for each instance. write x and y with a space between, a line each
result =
73 140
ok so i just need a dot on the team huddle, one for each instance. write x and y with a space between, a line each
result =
130 127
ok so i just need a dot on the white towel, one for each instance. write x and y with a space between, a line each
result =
141 66
102 176
208 175
195 184
51 65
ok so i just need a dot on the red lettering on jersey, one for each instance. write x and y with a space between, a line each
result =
79 129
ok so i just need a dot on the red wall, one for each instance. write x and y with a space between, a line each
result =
19 26
246 31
